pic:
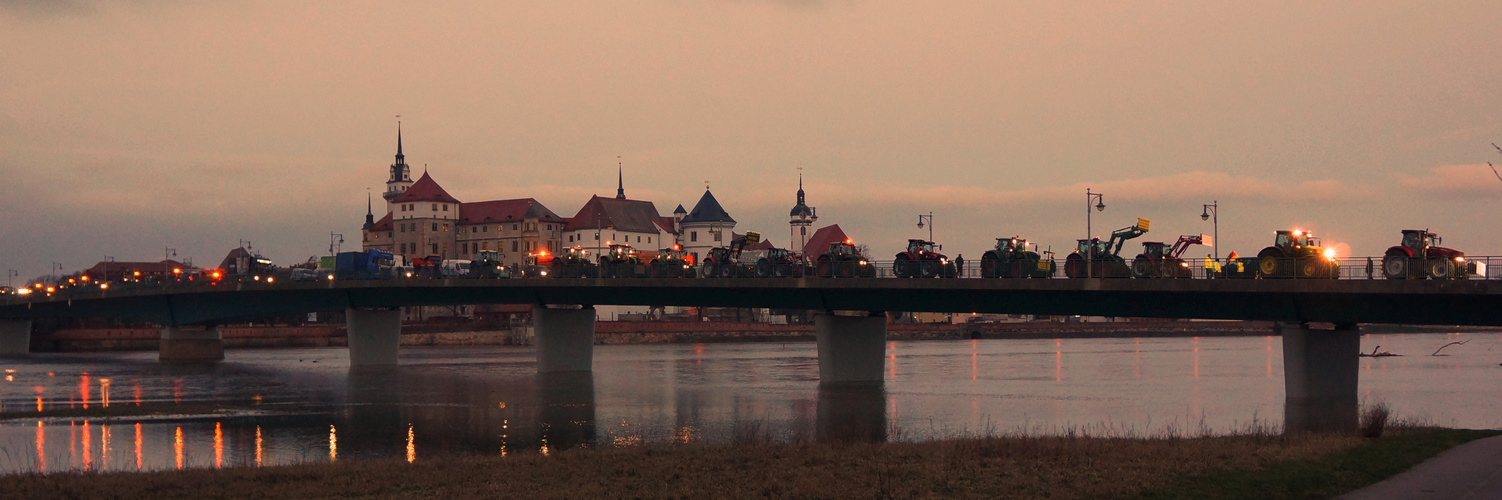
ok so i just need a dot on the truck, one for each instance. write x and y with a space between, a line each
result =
1157 260
1419 256
921 259
1103 257
362 265
843 260
1012 259
1297 253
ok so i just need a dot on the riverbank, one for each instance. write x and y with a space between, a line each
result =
1259 465
640 332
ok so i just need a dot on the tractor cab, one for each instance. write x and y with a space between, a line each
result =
619 251
1418 241
1153 249
1011 245
1296 239
777 254
920 246
1101 247
842 249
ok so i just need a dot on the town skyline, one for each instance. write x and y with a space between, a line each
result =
144 126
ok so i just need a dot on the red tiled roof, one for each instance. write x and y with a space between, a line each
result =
666 223
633 216
383 225
818 243
505 210
425 189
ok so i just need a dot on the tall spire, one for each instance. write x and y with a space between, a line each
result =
401 159
369 216
620 180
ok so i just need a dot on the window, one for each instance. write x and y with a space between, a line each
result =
435 226
550 227
570 238
638 239
445 228
649 239
435 248
404 227
474 230
485 229
514 227
717 235
597 236
515 245
693 236
435 207
445 207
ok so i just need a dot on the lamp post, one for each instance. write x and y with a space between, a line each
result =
11 273
336 242
1212 213
930 219
1100 206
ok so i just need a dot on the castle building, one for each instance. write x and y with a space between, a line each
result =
602 222
423 220
707 226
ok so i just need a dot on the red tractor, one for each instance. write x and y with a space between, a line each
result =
726 261
1159 261
1420 256
920 260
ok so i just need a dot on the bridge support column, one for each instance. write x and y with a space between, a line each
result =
15 337
373 335
565 338
851 348
1319 377
191 344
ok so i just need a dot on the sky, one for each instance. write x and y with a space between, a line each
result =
131 127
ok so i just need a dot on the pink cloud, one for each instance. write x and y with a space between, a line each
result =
1454 180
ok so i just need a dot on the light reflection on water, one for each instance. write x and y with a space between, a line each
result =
266 407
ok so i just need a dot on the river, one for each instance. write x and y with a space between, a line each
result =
264 407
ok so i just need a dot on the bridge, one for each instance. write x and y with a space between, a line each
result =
1320 333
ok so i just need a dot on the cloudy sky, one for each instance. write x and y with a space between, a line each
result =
127 127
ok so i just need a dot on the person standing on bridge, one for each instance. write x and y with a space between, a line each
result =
1212 268
959 265
1368 268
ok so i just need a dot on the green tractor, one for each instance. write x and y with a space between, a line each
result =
572 263
621 261
1012 259
1297 254
844 260
672 263
487 264
1103 256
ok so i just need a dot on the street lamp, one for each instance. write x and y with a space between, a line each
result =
1100 206
1212 212
930 218
11 273
336 242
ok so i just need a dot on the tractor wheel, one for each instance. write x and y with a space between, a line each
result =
1310 268
949 270
928 268
1270 266
1395 267
1074 266
823 268
844 269
782 271
1142 267
656 270
764 268
988 265
904 268
711 269
1441 268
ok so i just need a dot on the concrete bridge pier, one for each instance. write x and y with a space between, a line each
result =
851 348
565 337
191 344
373 335
1320 367
15 337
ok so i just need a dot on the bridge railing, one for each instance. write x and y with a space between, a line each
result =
1350 268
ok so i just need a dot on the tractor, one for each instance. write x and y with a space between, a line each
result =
573 263
779 263
1420 256
487 264
725 262
1296 253
1012 259
921 261
844 260
1103 256
1157 260
672 263
621 261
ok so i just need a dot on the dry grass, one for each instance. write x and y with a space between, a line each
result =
1374 420
1000 467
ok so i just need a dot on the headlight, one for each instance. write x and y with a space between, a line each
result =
943 261
863 262
544 273
1460 259
1330 253
1183 264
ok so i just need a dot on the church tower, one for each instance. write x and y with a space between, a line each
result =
401 175
799 219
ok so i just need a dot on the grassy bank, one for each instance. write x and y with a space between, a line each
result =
1258 466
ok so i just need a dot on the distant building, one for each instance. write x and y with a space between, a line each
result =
602 222
707 226
799 219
